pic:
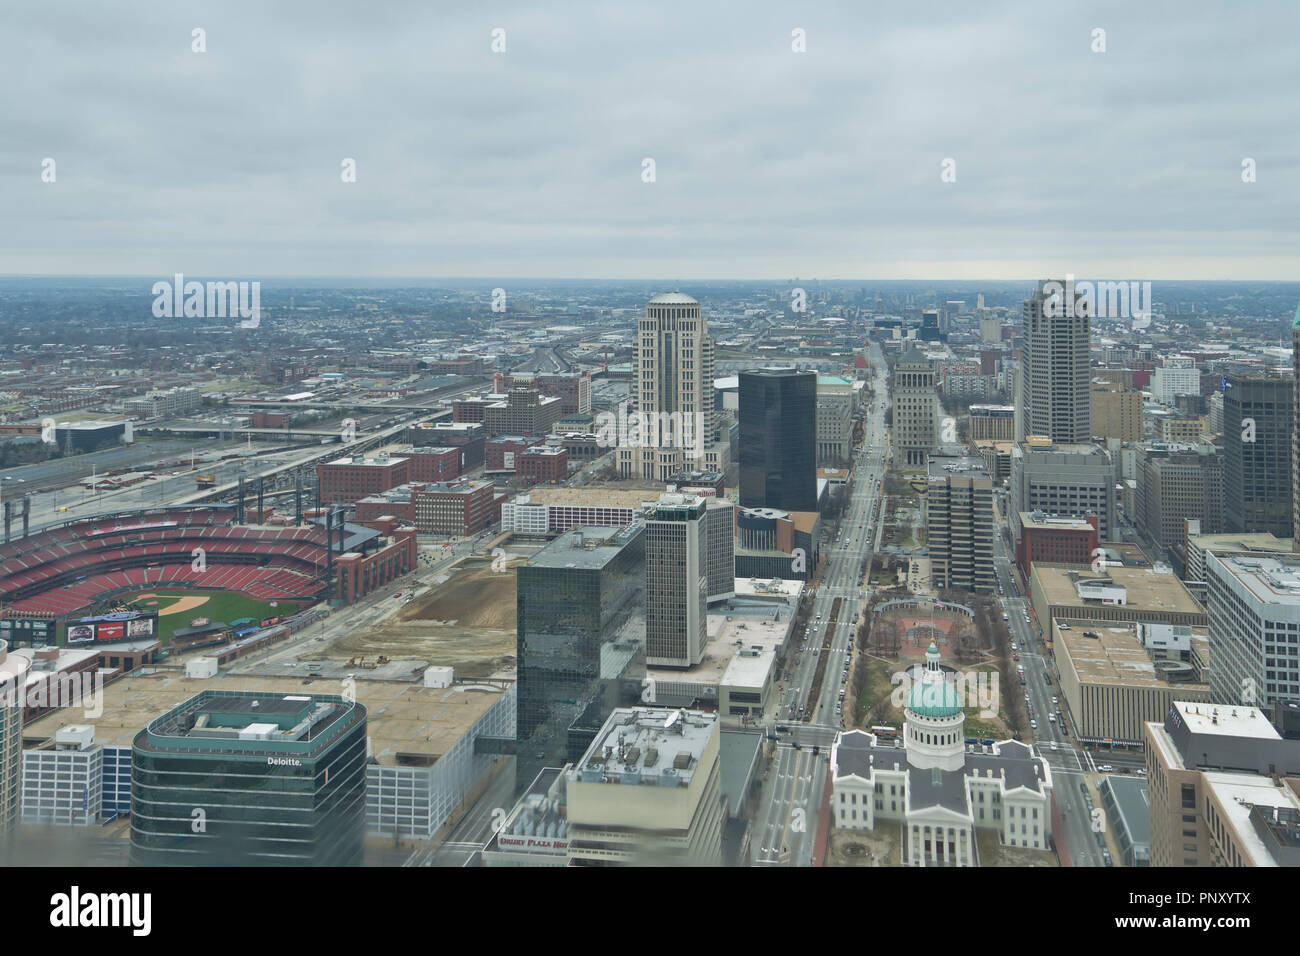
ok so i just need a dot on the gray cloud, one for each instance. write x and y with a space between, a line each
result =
769 163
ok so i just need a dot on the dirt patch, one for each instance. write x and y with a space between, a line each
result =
467 623
182 605
475 596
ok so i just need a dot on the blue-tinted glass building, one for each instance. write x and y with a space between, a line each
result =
232 778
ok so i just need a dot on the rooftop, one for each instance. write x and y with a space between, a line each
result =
1271 580
1113 654
586 497
589 548
1226 720
654 745
1036 519
1146 589
407 722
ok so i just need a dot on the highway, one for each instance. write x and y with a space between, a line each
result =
786 825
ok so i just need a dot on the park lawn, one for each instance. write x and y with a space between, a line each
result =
224 606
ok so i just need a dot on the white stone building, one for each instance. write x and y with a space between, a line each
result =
937 787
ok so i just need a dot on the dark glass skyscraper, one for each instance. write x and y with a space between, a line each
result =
234 778
1257 423
778 439
575 665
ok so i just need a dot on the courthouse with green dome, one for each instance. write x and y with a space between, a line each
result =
937 787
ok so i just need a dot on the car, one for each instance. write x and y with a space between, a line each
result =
1141 771
1026 695
1033 725
1106 768
1016 657
1055 702
1014 646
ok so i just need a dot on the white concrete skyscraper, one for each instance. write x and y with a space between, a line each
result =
1052 388
675 426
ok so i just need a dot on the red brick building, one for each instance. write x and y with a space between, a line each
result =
353 478
360 574
433 463
469 437
542 464
573 389
456 508
470 409
396 503
263 419
1054 540
501 454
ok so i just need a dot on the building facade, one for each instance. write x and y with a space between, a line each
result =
279 780
676 581
673 392
915 411
778 439
574 665
1258 417
959 524
1052 397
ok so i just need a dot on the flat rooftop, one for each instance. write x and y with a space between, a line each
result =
1146 590
1238 795
407 722
1226 720
587 498
1240 542
661 742
589 548
365 462
729 629
944 466
1036 519
1271 580
1116 655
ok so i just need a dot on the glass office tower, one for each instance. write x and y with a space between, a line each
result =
778 439
578 656
233 778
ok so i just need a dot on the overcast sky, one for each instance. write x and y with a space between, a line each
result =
769 164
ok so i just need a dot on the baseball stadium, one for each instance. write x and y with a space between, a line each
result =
180 562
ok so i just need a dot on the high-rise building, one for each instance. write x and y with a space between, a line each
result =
1253 603
648 791
1052 396
836 401
959 523
1175 482
992 423
1177 377
1257 420
1071 480
720 548
235 778
1223 785
673 393
1295 433
915 410
778 439
676 581
14 671
575 664
1116 411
